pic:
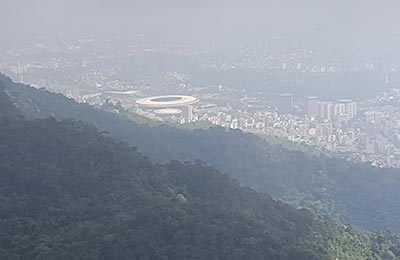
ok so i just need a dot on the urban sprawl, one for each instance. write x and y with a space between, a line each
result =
364 131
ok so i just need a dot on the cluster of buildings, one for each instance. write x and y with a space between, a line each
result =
361 132
87 71
365 132
341 111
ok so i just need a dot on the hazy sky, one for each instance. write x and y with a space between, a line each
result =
195 19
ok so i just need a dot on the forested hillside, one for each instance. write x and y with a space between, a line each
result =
358 194
7 108
70 192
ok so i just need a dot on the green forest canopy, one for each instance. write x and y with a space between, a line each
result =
358 194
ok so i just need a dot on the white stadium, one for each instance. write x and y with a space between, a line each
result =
170 105
167 101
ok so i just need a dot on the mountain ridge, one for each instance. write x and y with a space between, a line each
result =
68 191
314 181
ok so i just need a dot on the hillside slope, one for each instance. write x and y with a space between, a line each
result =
358 194
70 192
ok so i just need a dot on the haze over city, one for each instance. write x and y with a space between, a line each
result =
343 22
200 129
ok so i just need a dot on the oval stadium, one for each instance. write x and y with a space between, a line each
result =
167 101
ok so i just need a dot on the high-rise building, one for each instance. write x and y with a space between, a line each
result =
313 107
235 123
285 103
187 112
339 109
350 107
326 111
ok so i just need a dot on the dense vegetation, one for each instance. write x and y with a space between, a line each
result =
358 194
70 192
7 108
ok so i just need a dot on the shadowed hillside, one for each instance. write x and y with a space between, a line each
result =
358 194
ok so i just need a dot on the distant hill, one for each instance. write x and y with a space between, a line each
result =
7 108
70 192
359 194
